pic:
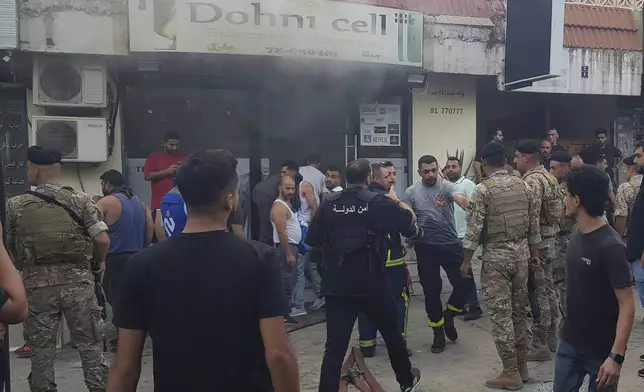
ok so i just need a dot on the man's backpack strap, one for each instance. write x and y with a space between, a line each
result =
52 200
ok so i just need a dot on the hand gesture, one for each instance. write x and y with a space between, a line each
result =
608 375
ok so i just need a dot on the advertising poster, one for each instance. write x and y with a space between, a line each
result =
380 125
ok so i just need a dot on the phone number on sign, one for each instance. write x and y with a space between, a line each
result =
302 52
449 111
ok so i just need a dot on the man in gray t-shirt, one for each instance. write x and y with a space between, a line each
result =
432 199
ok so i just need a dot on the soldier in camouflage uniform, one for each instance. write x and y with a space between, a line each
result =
549 201
52 234
626 194
560 163
501 217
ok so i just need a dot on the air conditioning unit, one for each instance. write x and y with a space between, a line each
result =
79 139
69 82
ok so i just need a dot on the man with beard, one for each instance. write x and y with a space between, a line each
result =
264 195
545 149
432 199
287 235
130 229
603 148
333 179
160 168
453 172
382 183
559 167
549 210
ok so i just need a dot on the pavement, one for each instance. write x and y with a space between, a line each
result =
463 366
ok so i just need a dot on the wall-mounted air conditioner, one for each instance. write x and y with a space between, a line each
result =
69 82
79 139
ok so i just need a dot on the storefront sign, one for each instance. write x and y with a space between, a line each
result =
379 125
286 28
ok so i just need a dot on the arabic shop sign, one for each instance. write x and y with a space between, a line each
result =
288 28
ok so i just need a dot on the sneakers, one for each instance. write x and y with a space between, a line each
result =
297 312
318 304
24 352
290 321
417 377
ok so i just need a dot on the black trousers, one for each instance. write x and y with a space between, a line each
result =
114 266
341 314
430 260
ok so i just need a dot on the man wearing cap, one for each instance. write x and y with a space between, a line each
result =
501 217
547 193
52 233
560 163
626 195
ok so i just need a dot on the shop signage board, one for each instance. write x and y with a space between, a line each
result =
309 29
379 125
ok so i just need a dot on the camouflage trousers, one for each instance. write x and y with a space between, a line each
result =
505 287
547 323
77 302
559 275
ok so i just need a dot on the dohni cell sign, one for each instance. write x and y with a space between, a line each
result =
379 125
316 29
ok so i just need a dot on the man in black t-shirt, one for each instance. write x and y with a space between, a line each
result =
600 295
205 288
603 148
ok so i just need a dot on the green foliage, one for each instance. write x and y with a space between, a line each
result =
460 154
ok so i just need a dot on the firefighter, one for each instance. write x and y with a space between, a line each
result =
381 183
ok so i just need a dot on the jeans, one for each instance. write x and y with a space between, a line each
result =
571 367
303 273
341 314
638 273
288 276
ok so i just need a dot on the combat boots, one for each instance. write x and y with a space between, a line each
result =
539 353
522 364
438 346
368 352
509 377
450 329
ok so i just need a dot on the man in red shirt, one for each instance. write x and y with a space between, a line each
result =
160 167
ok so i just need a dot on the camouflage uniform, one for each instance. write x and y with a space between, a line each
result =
559 268
54 254
547 194
626 194
501 218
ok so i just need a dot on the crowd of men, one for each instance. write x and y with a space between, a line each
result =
548 254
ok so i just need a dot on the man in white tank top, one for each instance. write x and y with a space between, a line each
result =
304 271
287 235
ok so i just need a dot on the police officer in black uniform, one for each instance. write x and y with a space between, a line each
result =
349 235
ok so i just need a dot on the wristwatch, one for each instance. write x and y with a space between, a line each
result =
617 358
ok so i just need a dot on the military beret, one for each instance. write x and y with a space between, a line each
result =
561 156
492 148
527 147
41 156
630 160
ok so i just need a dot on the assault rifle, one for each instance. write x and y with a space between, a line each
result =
101 298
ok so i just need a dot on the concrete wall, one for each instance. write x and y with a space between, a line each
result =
444 118
461 49
610 72
89 172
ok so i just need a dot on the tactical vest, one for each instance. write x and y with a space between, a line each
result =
552 207
47 234
350 235
508 216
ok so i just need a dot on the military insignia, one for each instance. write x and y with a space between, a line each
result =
440 200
